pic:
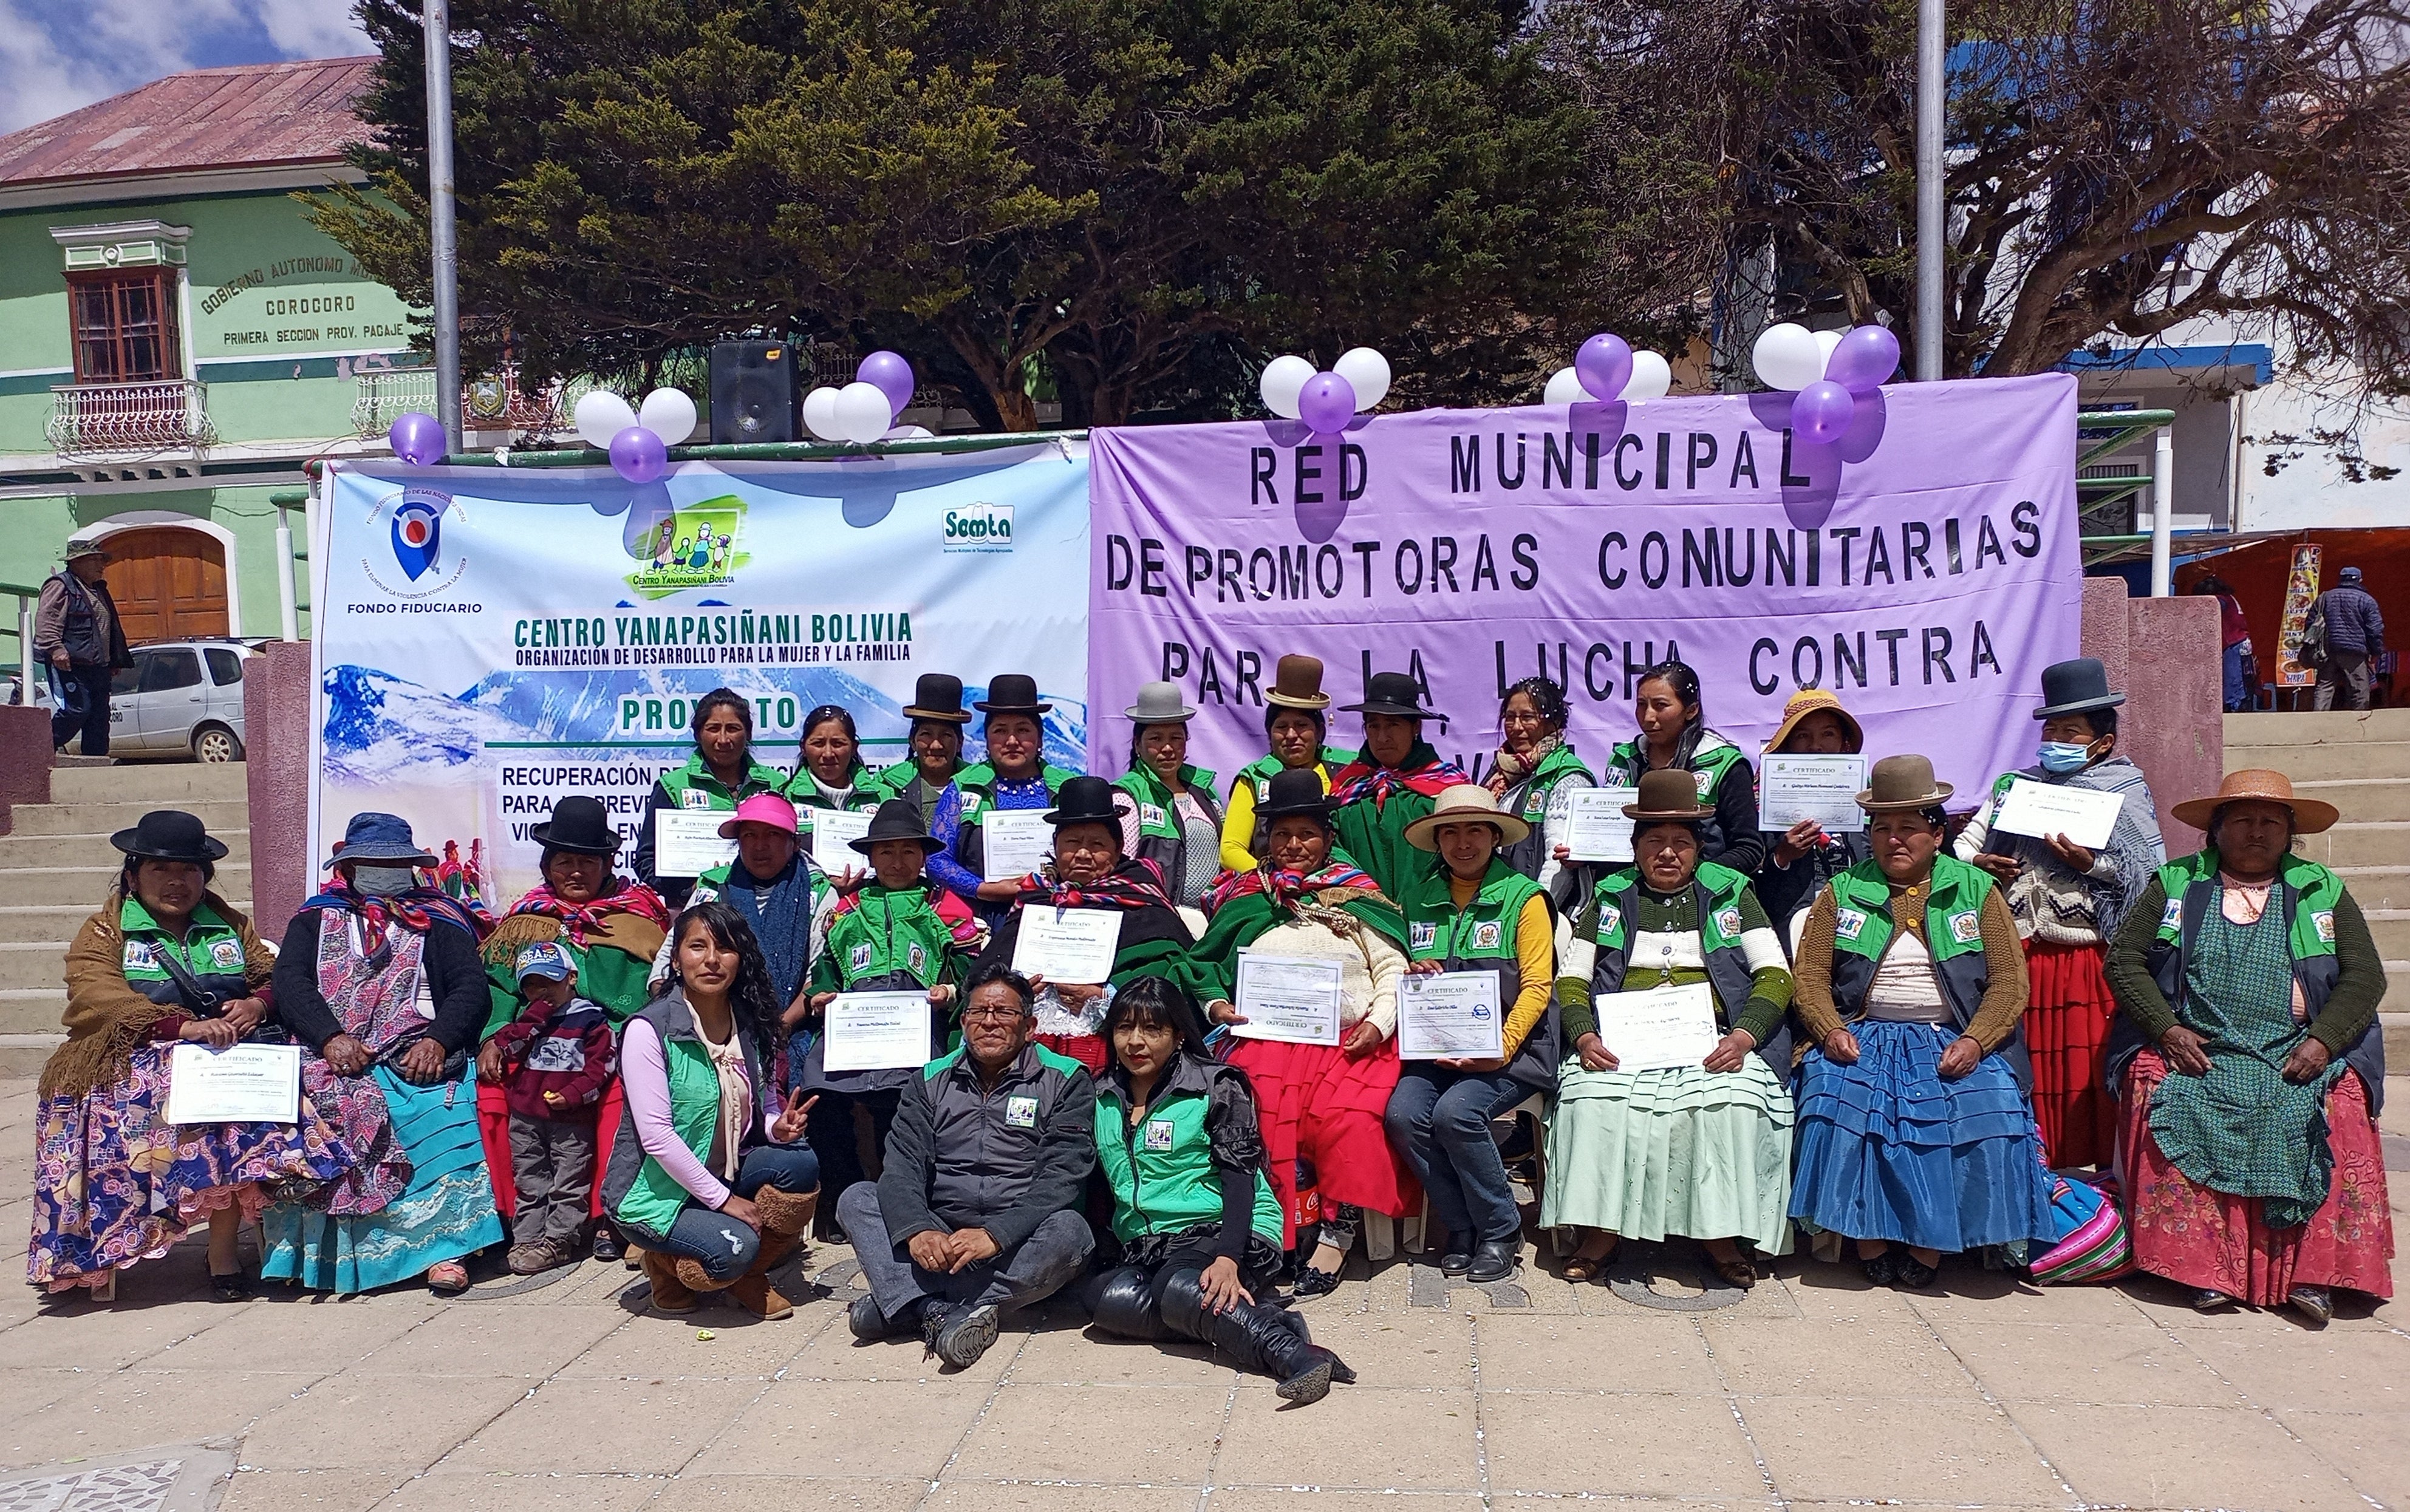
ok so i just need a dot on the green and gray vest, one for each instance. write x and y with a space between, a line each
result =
1161 837
805 791
1258 775
210 953
1161 1170
1710 762
1715 892
1530 854
693 786
977 783
638 1192
1480 937
1953 935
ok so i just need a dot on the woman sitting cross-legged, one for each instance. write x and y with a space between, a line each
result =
709 1169
1199 1228
1701 1150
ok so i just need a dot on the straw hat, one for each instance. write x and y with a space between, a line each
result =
1812 701
1296 683
1467 802
2258 784
1900 783
1668 796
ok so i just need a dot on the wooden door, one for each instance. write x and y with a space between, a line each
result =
168 581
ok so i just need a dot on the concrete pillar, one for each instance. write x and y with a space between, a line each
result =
2163 655
24 758
277 710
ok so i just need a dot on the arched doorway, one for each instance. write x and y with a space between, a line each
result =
168 581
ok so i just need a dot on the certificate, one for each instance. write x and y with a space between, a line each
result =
1823 787
1013 843
1452 1014
239 1084
1595 828
1290 998
834 832
687 842
875 1031
1074 945
1659 1029
2084 815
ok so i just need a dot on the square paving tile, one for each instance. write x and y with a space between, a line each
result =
833 1354
740 1346
116 1413
287 1334
2234 1458
308 1490
482 1339
1064 1355
1097 1433
2030 1362
26 1392
1826 1293
2282 1365
352 1422
1267 1499
1888 1448
1661 1352
606 1427
78 1335
1772 1357
2371 1449
954 1495
445 1490
1376 1439
826 1425
1616 1444
786 1493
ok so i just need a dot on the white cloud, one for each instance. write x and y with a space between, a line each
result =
57 56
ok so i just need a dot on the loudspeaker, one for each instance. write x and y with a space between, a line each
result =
754 393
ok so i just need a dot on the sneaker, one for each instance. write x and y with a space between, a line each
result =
2209 1300
965 1335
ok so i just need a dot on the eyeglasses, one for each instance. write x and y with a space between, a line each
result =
993 1015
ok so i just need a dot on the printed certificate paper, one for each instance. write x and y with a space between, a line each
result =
1659 1029
1288 998
239 1084
1014 842
834 832
1450 1015
1073 945
687 842
1823 787
877 1031
2046 808
1595 828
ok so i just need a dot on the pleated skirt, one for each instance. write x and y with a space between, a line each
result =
2067 1033
1685 1151
1318 1103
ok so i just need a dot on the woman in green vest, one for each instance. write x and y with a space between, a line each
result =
1199 1228
722 773
2252 1065
1392 784
1674 733
1014 776
829 772
1175 824
933 745
1534 774
1295 727
1471 912
1913 1125
709 1170
1701 1150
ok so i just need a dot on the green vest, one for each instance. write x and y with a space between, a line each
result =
211 953
1260 772
1530 854
1953 937
1480 937
886 932
1709 763
692 786
648 1196
1157 817
1161 1171
1717 892
804 789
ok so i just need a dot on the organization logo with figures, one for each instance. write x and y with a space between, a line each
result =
694 545
415 536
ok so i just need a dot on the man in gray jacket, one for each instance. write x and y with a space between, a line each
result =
2354 637
976 1212
77 635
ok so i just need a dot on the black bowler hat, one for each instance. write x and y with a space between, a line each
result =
581 826
1011 693
169 835
898 819
1295 791
1394 693
2075 687
1086 800
937 695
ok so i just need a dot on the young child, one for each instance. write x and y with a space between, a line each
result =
553 1062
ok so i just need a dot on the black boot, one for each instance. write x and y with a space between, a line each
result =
1123 1303
1258 1336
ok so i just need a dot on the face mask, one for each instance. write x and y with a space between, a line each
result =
384 881
2062 756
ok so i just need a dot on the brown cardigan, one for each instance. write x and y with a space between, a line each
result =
106 1018
2004 996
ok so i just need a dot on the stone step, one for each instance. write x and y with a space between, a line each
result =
2324 763
32 1009
2362 800
224 817
2359 845
152 784
2377 887
2391 928
23 851
2309 727
2397 1035
33 963
57 886
22 1055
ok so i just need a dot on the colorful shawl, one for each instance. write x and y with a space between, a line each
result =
373 991
781 913
1246 905
417 910
1423 773
1133 885
631 918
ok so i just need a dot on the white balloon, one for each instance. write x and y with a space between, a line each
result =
1284 378
863 412
1826 341
1366 371
669 413
601 414
1651 376
911 432
1786 357
1565 387
820 413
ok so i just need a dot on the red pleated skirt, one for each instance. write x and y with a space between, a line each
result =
1087 1049
2198 1238
1316 1101
2067 1033
494 1133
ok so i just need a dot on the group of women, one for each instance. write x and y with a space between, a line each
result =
1927 1028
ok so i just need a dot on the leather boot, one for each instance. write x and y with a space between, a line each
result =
670 1293
1123 1304
1258 1336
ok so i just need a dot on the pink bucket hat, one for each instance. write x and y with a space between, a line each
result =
762 808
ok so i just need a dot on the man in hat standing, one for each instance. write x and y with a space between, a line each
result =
2354 637
1392 784
78 636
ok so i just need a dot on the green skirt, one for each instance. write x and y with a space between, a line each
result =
1690 1152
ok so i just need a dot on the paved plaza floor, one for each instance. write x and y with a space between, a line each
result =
1812 1391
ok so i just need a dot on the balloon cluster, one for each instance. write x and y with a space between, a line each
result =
1326 401
865 409
638 438
1606 369
1824 372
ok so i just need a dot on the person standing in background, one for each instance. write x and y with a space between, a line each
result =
2354 637
80 638
2234 642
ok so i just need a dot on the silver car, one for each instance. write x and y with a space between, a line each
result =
179 698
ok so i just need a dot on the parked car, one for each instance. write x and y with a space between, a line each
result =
179 698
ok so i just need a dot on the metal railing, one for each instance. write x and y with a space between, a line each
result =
91 419
491 402
21 625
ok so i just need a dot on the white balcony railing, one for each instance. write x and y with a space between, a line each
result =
383 398
493 401
89 419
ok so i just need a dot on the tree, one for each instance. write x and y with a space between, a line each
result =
2114 165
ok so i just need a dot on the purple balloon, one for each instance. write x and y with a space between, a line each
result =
1326 403
417 439
891 375
1864 360
1603 365
638 456
1821 412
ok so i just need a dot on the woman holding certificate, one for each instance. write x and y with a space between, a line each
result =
1674 735
1392 784
1014 779
1174 822
1913 1128
719 774
1803 856
1671 1114
1474 1024
1295 727
1535 774
164 963
2068 899
1321 1100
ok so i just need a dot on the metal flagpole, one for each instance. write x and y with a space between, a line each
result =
441 206
1931 227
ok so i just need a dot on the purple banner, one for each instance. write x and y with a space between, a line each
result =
1925 567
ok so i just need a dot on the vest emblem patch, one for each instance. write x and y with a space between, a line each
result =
1021 1112
2323 921
227 954
1421 935
1150 815
694 798
1610 919
915 958
1485 935
1158 1134
1706 782
1965 929
1849 924
857 959
1728 922
142 955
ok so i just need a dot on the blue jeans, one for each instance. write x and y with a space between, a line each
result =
2237 696
722 1245
1438 1120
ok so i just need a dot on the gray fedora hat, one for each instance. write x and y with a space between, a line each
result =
1158 702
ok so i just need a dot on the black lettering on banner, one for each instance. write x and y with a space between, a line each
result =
1877 557
1756 679
1665 460
1665 558
1703 454
1150 569
1612 538
1443 560
1590 459
1845 663
1121 563
1891 639
1483 564
1175 660
1738 576
2022 521
1525 563
1464 464
1744 463
1520 452
1589 671
1788 480
1200 567
1553 465
1227 565
1270 576
1987 543
1785 555
1303 472
1815 678
1633 481
1949 545
1251 670
1938 658
1209 680
1364 551
1979 652
1706 561
1354 472
1329 583
1846 534
1915 540
1262 462
1292 573
1815 558
1398 566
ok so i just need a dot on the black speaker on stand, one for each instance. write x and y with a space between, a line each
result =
754 396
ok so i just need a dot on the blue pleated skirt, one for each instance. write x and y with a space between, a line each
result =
1889 1150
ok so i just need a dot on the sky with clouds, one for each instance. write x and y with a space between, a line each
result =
58 55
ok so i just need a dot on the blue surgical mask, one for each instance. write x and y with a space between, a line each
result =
2064 756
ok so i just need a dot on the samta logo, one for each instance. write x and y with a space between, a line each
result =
978 527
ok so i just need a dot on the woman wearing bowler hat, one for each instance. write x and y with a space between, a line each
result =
1014 776
932 747
2067 902
1294 726
1914 1135
1175 822
1392 784
164 962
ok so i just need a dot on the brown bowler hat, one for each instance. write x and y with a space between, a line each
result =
2260 785
1899 782
1296 683
1668 796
